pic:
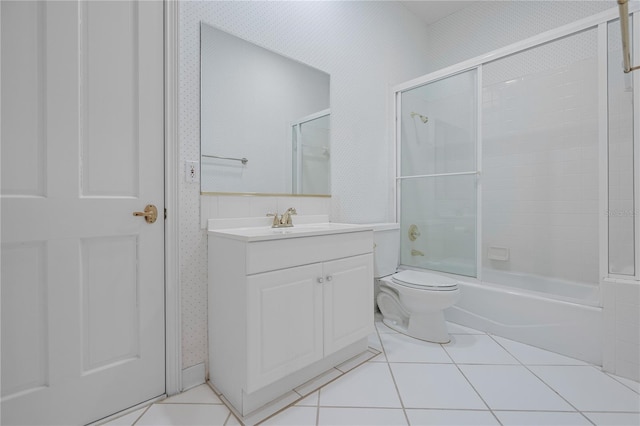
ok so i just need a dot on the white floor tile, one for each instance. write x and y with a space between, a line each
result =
632 384
434 386
530 355
383 328
401 348
354 362
512 387
374 341
361 417
294 416
451 418
202 394
127 419
309 401
614 419
318 381
232 421
540 418
381 357
184 415
588 388
454 328
369 385
477 349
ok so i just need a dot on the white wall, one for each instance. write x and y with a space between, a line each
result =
367 48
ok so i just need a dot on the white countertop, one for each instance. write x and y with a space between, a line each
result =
264 233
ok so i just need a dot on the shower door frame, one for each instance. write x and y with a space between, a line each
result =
599 22
478 154
296 126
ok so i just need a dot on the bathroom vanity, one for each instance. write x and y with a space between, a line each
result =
285 305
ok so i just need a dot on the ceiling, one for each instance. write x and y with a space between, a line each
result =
432 11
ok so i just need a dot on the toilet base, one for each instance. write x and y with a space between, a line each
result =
427 326
422 327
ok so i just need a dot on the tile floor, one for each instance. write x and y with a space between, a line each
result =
477 379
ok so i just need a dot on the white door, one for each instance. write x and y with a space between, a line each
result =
348 301
82 149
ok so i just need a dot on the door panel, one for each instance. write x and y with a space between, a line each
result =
284 320
24 284
110 148
23 101
82 149
109 306
348 301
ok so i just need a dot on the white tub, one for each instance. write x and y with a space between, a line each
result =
559 316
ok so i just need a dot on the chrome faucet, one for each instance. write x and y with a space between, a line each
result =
283 221
286 217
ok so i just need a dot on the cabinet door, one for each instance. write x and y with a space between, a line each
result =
284 329
348 301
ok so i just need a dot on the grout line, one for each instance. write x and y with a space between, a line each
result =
404 410
141 415
471 384
614 377
545 383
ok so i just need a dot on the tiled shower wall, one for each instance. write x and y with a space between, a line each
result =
540 177
366 47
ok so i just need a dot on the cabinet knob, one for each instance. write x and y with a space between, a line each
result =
320 280
329 277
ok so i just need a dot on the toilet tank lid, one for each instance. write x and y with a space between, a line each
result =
383 226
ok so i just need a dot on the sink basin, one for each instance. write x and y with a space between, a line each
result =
261 233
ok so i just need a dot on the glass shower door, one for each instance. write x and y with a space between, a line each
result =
622 208
311 154
438 175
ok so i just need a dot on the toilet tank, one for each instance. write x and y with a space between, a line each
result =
386 239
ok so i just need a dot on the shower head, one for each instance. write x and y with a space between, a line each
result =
422 117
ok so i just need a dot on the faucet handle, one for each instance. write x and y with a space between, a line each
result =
276 221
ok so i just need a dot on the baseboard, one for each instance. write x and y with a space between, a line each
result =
193 376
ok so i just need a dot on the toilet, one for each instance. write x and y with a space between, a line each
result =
411 302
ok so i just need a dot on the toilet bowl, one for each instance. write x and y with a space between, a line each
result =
411 302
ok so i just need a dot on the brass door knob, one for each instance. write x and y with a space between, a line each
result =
150 213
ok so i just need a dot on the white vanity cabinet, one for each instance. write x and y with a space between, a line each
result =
284 308
296 316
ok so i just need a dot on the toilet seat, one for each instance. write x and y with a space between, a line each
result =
424 281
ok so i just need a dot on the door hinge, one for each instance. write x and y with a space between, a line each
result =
165 213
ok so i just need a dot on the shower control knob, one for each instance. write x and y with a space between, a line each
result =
320 280
329 277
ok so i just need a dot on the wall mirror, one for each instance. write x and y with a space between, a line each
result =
264 120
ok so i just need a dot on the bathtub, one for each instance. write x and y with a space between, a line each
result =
559 316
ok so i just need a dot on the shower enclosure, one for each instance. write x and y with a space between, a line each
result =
438 198
517 168
311 154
